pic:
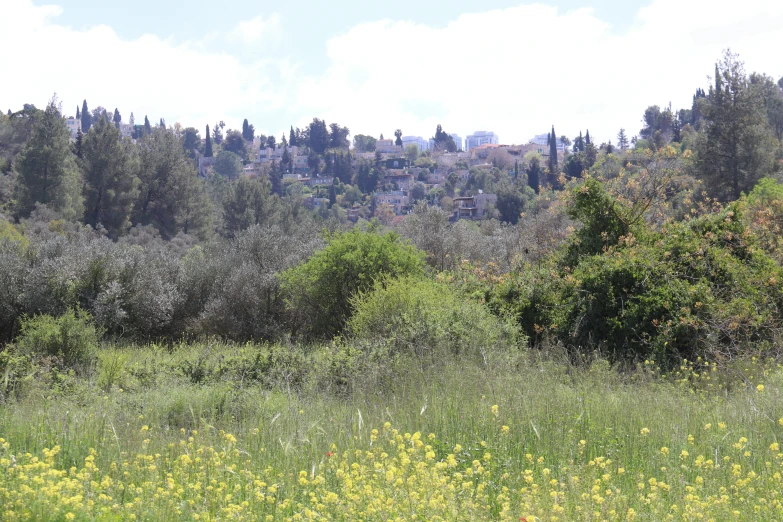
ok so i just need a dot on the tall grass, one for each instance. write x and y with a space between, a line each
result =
540 407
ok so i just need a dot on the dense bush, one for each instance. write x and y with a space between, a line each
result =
72 337
426 318
319 291
695 288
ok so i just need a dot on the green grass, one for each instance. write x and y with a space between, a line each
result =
548 406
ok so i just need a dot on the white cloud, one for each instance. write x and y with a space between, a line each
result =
514 71
517 71
257 30
147 75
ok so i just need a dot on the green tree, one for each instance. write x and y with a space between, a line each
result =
534 172
235 143
510 204
110 182
247 204
147 126
191 139
228 164
320 292
117 119
338 136
86 117
208 145
367 177
217 134
553 151
292 138
736 146
411 153
398 135
622 140
171 198
47 168
318 136
364 143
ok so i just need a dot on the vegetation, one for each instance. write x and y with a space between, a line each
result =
190 338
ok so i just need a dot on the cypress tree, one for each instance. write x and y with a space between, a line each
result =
77 145
208 146
78 113
244 129
587 137
147 126
292 137
553 151
86 117
163 123
533 174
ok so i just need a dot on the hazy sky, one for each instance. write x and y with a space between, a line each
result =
509 67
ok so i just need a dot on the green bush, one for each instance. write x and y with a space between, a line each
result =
72 337
698 288
423 317
319 291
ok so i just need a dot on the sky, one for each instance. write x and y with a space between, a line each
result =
514 68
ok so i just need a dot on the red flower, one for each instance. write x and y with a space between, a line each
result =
329 454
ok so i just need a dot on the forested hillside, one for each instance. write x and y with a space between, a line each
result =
186 332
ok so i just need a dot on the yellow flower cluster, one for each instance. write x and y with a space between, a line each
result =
393 476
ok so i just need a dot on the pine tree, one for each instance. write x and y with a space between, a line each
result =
86 117
208 145
217 134
110 182
147 126
172 197
553 151
622 140
47 168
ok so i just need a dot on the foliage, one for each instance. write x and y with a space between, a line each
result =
172 197
694 288
228 164
428 319
47 169
319 291
72 337
109 167
737 145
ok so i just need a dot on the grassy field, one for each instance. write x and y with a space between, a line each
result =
207 432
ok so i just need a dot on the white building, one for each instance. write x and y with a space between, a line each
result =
420 142
479 138
542 139
126 130
74 125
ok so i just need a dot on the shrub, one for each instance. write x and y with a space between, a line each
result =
423 317
72 337
698 288
319 291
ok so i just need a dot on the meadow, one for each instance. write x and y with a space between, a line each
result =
217 431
